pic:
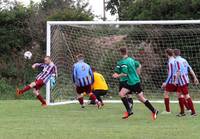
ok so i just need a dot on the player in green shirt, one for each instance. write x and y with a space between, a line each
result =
123 80
128 67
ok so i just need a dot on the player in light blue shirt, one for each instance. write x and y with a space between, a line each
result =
83 79
82 74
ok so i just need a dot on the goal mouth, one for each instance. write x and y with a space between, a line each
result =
100 42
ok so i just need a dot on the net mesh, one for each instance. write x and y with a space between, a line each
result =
100 45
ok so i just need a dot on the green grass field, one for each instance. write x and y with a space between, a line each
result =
27 120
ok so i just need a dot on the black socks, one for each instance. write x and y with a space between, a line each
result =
126 104
149 106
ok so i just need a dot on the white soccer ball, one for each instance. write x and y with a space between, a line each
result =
27 55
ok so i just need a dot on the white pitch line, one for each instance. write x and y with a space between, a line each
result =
113 102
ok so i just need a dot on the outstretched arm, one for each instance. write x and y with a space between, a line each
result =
116 75
37 65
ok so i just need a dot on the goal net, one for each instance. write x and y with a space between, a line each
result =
100 42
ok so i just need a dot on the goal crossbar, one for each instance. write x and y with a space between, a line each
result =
157 22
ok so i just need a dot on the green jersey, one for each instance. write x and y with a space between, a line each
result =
128 66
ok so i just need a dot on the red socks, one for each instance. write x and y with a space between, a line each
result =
93 97
80 100
185 103
41 99
26 88
181 104
167 104
191 106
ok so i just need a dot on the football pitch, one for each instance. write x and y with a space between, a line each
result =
20 119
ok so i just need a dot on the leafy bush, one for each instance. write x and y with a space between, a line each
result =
6 90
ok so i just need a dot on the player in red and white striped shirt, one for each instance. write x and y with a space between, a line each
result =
182 81
49 70
168 85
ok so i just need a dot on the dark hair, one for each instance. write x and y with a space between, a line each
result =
80 56
177 52
123 50
169 52
93 69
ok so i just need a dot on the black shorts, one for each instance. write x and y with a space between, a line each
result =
136 88
123 85
100 92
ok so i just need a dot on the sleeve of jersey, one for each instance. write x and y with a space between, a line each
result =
40 65
117 69
170 73
137 64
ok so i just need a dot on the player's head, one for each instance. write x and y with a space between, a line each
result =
123 51
47 60
80 57
93 69
177 52
169 52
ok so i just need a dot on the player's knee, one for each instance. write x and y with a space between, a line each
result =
121 94
166 94
90 94
179 95
129 96
187 96
80 96
141 97
35 92
33 84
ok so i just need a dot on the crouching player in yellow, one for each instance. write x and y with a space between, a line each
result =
99 87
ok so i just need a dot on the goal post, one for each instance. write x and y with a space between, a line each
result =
100 41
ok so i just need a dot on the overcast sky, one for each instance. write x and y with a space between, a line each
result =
95 5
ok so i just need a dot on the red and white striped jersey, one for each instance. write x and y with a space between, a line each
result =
183 68
48 71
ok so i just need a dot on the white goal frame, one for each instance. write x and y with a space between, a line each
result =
157 22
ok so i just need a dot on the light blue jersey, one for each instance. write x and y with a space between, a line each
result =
82 74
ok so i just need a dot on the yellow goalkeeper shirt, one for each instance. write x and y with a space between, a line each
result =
99 82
